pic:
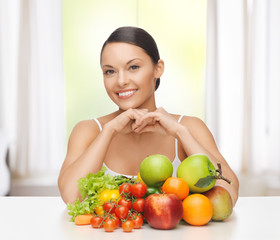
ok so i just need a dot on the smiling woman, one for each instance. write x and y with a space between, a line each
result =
122 139
180 29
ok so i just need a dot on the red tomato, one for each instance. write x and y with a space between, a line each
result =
139 190
127 226
117 221
125 202
137 220
109 225
138 205
109 207
96 221
114 218
125 189
121 212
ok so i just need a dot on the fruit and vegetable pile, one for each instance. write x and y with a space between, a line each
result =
154 197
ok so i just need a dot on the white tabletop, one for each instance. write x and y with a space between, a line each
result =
47 218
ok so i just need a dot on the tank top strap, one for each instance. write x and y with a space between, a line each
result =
98 123
176 141
180 118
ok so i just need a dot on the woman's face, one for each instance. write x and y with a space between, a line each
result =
129 75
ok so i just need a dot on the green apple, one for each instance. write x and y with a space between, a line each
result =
155 169
199 173
221 202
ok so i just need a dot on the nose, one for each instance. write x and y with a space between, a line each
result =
122 79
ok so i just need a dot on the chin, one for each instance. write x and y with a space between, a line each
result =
124 108
127 106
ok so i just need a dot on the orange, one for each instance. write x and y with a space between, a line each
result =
177 186
197 209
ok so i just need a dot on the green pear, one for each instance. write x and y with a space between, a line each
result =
221 203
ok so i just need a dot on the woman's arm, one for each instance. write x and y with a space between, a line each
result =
195 137
86 151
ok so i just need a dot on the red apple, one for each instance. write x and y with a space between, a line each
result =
221 202
163 211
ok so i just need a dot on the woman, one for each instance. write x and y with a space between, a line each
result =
132 69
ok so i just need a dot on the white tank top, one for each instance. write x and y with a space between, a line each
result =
176 162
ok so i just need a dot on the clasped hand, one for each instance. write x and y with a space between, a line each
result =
141 121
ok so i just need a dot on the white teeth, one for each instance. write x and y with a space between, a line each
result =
126 93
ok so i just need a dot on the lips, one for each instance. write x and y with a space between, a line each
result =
126 93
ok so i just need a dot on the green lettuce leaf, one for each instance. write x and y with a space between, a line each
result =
90 188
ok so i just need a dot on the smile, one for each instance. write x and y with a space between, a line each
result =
126 94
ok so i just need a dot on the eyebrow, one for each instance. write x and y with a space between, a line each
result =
132 60
109 66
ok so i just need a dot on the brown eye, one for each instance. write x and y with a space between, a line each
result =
109 72
133 67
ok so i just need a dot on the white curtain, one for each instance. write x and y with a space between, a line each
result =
243 83
32 84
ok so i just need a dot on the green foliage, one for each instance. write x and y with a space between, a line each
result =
90 188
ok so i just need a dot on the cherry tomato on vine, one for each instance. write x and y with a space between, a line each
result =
137 220
96 221
138 205
125 189
127 226
138 190
121 212
117 220
125 202
109 207
110 225
114 218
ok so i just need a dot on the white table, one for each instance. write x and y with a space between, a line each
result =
47 218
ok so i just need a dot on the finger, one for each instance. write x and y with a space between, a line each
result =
152 128
134 127
150 117
161 109
146 129
147 122
138 127
137 114
145 110
134 114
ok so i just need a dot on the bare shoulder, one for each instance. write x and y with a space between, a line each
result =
89 129
106 118
189 121
86 127
194 123
83 132
199 131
